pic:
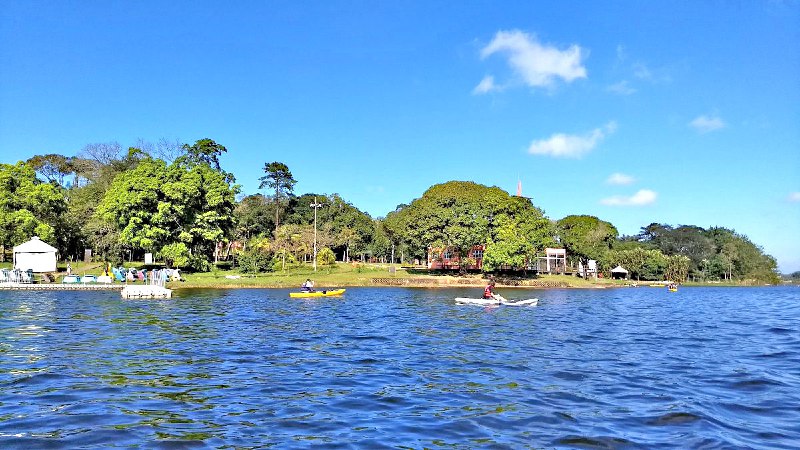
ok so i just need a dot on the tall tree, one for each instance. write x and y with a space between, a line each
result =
155 205
279 178
460 215
253 217
205 151
28 206
586 237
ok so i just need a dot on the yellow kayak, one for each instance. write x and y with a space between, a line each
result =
328 293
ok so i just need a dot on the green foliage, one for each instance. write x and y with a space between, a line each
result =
677 268
53 168
340 225
206 152
459 215
153 205
254 217
325 257
586 237
176 254
283 261
279 178
716 253
28 206
255 261
641 263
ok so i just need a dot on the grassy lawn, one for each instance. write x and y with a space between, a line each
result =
342 274
339 275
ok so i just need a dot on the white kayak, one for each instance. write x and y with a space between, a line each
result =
496 302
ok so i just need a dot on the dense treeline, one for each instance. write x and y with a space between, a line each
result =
176 201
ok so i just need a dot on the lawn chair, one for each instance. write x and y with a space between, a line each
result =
26 276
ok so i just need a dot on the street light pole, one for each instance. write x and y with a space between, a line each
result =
315 205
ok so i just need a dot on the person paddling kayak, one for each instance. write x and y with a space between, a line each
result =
307 286
488 291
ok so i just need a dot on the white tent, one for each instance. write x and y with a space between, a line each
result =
35 255
619 272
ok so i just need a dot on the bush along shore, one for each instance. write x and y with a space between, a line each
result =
359 274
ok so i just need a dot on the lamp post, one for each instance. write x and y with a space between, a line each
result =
315 205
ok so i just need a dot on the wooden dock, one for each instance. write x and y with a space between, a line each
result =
146 291
60 287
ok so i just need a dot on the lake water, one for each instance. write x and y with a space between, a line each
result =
395 367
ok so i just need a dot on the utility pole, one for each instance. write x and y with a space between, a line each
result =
315 205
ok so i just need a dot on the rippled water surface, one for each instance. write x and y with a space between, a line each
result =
393 367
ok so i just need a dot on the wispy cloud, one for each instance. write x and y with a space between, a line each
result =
486 85
643 197
642 72
620 179
562 145
538 65
794 197
621 88
706 124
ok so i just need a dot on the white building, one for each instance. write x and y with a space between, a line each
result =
36 255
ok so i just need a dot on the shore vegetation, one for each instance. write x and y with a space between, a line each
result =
175 202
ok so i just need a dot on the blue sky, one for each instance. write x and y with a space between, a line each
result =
681 112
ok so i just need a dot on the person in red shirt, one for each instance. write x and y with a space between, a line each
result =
488 291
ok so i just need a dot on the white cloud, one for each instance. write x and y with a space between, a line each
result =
656 75
620 179
641 71
562 145
486 85
706 124
794 197
641 198
538 65
621 88
621 55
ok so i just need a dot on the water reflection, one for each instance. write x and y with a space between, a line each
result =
401 367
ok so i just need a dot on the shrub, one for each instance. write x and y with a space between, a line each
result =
279 260
255 261
325 257
176 255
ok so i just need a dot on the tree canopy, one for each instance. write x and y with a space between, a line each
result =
462 214
183 206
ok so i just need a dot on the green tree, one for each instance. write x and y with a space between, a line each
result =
28 206
176 255
677 268
205 152
325 257
153 205
459 215
253 217
278 178
586 237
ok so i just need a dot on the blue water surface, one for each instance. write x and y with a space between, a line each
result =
402 368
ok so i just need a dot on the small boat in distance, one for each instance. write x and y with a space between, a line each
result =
323 293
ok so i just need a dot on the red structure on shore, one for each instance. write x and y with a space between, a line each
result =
450 259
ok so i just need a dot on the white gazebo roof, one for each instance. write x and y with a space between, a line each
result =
35 245
618 269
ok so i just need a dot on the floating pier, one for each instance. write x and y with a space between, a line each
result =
60 287
146 291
